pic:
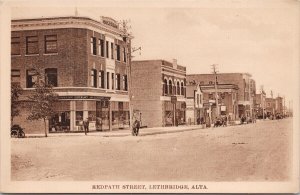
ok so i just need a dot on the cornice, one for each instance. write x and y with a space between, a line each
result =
64 22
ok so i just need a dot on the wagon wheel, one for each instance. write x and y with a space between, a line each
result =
14 133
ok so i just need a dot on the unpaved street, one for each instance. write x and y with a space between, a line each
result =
259 152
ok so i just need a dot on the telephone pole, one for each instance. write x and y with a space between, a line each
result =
262 101
127 36
216 88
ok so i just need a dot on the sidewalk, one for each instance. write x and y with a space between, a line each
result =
125 132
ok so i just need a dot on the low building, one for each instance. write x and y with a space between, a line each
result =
158 90
227 100
86 62
270 107
195 113
260 105
244 82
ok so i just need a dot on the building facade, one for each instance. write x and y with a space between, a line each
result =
227 100
270 107
158 90
260 105
246 88
194 105
85 60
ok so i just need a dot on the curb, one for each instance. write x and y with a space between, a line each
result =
122 135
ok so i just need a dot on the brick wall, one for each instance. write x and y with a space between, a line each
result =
146 90
69 60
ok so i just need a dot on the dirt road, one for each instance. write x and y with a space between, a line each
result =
253 152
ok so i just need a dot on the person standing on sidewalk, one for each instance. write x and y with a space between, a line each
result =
86 126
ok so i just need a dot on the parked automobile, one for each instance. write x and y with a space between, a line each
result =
17 131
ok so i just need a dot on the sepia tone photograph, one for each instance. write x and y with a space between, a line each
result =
148 96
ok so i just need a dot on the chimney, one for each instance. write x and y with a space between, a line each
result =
174 63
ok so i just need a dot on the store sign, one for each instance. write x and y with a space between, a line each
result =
110 22
223 108
173 99
84 98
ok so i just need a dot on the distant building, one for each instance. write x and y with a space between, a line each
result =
194 104
246 87
260 104
270 106
279 105
86 62
227 99
158 92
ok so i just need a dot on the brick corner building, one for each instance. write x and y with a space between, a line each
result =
86 62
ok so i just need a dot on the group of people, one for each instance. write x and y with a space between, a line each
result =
247 119
221 121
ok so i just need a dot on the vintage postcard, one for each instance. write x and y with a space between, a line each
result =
150 96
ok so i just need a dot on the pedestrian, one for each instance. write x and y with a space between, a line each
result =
202 120
225 121
86 126
198 121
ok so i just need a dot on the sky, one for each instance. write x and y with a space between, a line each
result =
257 37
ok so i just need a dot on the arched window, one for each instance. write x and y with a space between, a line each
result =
182 89
178 88
165 86
170 87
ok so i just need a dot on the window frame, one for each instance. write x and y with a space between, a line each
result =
51 73
32 42
93 46
18 43
118 48
93 77
101 48
31 76
50 41
101 79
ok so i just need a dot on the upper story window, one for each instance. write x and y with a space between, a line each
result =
112 50
124 54
210 82
165 87
107 80
210 96
15 46
93 46
51 76
125 85
93 78
118 52
201 82
107 49
15 76
118 82
31 78
101 79
112 80
170 87
50 43
101 47
182 89
32 45
178 88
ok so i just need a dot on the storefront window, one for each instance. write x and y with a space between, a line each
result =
60 122
79 118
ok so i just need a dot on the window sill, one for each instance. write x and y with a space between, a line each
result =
15 55
32 54
50 54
